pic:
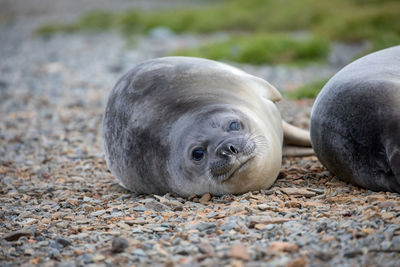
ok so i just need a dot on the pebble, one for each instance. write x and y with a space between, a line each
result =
119 244
29 252
98 257
98 213
63 241
239 251
276 247
15 235
205 226
140 209
139 252
263 207
253 220
54 254
205 198
157 206
298 192
300 262
206 248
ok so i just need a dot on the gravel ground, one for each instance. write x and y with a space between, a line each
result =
60 206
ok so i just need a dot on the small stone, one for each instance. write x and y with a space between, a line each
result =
35 261
55 245
119 244
137 230
239 251
269 227
340 199
114 233
205 226
312 204
87 199
177 208
54 253
376 198
29 252
139 252
206 248
293 191
98 213
367 231
15 235
237 263
155 205
140 209
98 257
276 247
324 256
352 254
63 241
85 258
30 221
300 262
205 198
386 245
43 243
262 207
387 215
266 220
260 226
388 204
160 229
187 250
328 239
229 226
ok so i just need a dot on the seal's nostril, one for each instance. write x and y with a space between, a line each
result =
233 149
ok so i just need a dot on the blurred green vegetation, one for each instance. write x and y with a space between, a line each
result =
262 30
310 90
262 48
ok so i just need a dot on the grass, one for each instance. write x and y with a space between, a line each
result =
310 90
376 21
263 48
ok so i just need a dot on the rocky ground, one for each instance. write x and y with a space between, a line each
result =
60 206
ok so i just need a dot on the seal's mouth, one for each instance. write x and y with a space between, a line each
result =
234 170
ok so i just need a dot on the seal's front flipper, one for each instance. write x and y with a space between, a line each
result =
296 151
263 88
295 136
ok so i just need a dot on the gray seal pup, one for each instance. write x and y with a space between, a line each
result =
192 126
355 122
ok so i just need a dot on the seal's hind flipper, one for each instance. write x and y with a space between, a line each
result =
295 151
295 136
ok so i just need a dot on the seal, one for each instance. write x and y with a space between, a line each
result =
193 126
355 122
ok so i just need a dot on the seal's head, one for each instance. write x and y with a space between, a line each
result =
192 126
219 149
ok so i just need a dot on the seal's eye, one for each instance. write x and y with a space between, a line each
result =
198 154
234 126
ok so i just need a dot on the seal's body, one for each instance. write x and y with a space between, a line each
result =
355 122
192 126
